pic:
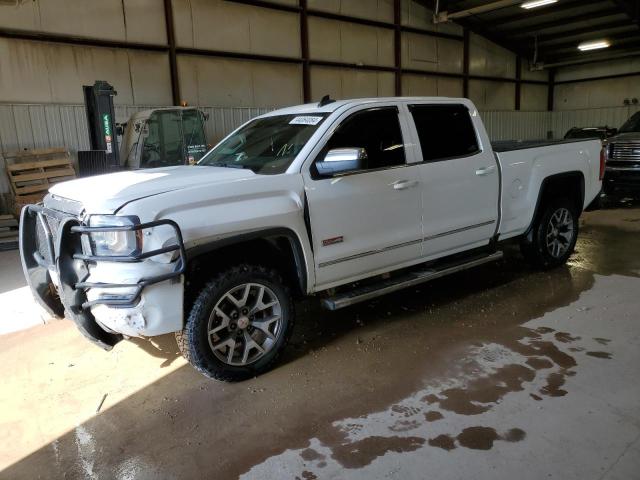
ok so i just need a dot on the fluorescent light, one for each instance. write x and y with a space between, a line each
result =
584 47
537 3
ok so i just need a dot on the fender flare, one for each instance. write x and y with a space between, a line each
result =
543 187
290 235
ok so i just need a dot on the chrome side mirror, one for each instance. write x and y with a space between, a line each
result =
342 160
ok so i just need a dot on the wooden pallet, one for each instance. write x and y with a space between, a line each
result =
8 233
32 172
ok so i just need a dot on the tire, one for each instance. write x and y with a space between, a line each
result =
548 246
236 295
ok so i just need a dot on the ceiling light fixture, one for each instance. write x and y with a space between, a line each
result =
537 3
585 47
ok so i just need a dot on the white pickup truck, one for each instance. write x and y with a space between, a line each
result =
346 200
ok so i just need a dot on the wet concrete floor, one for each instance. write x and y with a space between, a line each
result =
497 372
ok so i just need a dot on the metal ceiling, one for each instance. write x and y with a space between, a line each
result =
549 35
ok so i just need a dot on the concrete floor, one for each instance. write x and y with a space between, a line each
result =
499 372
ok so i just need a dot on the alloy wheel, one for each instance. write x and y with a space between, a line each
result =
245 324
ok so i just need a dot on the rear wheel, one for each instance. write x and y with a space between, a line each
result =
239 324
553 236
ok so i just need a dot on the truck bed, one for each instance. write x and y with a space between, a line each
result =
524 165
511 145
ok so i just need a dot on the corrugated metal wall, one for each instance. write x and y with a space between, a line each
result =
591 117
41 126
51 125
517 125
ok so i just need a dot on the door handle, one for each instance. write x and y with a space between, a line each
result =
486 170
404 184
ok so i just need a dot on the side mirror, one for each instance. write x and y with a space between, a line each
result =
342 160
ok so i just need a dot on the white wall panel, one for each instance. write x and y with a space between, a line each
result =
238 83
47 72
433 54
350 83
123 20
350 43
381 10
428 86
490 95
220 25
597 93
487 58
533 97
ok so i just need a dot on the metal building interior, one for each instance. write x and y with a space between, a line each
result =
503 371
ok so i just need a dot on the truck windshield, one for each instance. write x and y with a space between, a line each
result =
265 145
631 125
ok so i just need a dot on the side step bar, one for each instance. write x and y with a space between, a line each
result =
367 292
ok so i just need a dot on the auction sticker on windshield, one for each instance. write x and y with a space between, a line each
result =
305 120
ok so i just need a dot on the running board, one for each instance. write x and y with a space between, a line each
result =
367 292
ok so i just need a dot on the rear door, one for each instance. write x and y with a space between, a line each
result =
460 181
366 221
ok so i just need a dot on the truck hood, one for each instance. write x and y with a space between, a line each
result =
107 193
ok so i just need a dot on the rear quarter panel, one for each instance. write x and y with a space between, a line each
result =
524 171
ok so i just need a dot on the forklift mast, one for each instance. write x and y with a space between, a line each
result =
98 101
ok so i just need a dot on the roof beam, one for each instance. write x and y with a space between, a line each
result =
615 40
611 53
547 10
475 28
487 7
551 37
526 30
631 8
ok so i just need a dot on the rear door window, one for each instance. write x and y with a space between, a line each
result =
444 131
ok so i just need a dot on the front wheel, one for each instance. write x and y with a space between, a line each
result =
553 236
239 324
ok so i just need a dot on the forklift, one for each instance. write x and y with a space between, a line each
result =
159 137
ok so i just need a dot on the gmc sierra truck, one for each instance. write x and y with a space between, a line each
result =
345 200
623 162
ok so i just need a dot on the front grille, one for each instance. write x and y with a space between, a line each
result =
624 164
625 151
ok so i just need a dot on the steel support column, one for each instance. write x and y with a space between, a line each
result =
550 93
173 61
518 81
465 62
304 51
397 45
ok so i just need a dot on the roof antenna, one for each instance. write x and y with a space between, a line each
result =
326 100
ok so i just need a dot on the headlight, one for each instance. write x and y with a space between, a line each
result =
115 243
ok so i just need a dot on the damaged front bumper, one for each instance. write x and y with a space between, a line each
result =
57 265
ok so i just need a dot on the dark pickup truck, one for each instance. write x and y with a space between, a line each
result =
623 158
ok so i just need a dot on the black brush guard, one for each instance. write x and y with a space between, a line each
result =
42 250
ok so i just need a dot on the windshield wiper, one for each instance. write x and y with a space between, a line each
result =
230 165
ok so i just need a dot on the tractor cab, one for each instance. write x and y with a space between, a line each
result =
163 137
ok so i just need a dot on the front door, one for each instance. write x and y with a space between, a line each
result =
368 220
